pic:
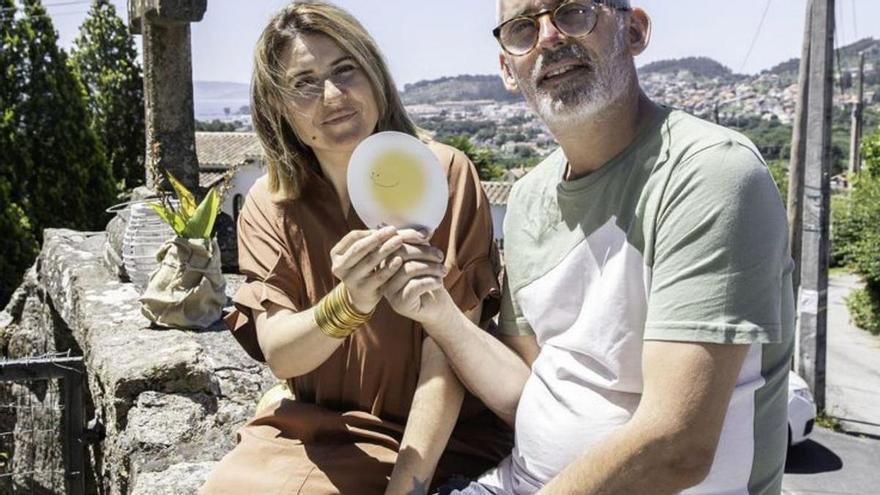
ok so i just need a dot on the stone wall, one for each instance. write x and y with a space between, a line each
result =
169 401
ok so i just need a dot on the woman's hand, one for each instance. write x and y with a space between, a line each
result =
357 260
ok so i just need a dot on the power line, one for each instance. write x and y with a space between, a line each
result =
757 34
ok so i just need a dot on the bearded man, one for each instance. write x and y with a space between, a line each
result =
647 316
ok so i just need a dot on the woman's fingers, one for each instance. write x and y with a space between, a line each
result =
385 273
349 239
360 248
368 264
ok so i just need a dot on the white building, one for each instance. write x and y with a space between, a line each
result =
220 152
497 193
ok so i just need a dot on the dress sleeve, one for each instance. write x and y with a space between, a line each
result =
271 272
471 253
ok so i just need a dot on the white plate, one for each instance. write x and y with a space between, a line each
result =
395 179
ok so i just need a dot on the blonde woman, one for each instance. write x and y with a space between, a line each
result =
377 409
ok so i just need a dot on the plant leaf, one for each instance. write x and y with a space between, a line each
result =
169 216
202 222
186 198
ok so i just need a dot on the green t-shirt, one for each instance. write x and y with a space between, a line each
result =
682 237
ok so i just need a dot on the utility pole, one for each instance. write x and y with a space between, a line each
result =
798 154
813 294
855 158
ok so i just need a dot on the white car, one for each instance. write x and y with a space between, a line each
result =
801 409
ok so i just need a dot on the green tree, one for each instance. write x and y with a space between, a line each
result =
17 242
70 183
215 125
105 57
483 158
859 233
779 171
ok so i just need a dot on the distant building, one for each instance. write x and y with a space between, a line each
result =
497 193
218 152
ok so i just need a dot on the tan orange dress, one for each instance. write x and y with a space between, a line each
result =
342 432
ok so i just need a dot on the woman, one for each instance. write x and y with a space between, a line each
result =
375 401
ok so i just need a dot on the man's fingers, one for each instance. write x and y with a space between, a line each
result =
412 236
417 287
413 269
420 252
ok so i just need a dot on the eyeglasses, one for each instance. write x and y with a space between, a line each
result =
519 36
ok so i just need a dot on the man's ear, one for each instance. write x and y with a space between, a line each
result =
638 31
507 75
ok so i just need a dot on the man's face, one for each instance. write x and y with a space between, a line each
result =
569 79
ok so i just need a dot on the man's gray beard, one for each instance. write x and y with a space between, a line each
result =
580 102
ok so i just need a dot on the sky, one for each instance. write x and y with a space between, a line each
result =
427 39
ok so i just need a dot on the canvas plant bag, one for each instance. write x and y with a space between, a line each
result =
188 288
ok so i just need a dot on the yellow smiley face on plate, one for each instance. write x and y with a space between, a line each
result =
397 181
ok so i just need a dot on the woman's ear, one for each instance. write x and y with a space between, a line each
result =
507 74
638 31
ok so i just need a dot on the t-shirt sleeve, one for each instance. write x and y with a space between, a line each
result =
271 273
471 253
511 321
720 252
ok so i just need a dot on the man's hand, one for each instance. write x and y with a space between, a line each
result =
417 290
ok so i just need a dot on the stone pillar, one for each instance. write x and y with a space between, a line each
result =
168 88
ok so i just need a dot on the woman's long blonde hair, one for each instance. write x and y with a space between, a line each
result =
285 152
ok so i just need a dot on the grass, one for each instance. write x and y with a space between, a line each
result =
828 422
838 270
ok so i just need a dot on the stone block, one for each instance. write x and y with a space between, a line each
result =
166 419
170 400
165 12
180 479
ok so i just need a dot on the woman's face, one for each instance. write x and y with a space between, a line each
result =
332 107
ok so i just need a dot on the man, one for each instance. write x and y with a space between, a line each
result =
648 297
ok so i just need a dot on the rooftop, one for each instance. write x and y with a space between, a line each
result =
223 150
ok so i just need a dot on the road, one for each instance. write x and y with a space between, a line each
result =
834 464
853 365
843 463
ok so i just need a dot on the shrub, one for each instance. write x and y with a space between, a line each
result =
864 308
858 238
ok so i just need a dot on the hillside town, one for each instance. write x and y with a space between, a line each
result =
479 107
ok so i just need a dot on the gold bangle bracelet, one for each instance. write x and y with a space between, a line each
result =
336 316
